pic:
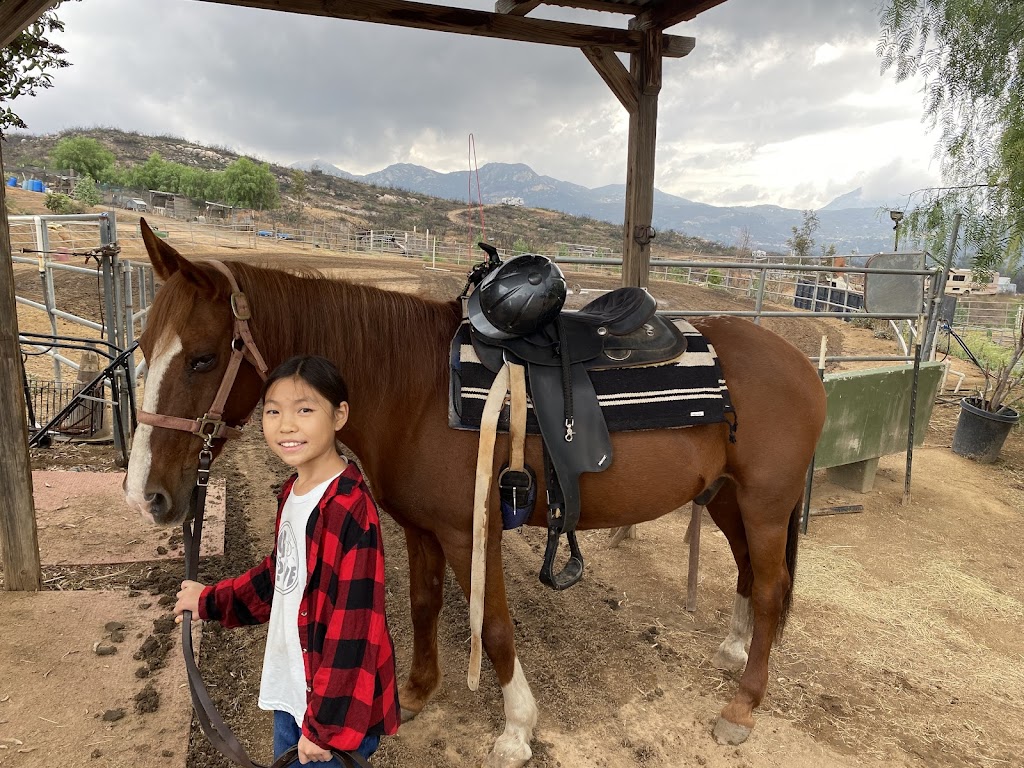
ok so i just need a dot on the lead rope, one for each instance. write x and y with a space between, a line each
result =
212 724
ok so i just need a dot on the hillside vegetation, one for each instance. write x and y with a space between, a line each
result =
312 198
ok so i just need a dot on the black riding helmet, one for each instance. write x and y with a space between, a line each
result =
517 298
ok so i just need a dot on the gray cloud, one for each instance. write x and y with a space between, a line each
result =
362 96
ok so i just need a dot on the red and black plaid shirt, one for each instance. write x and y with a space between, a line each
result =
347 649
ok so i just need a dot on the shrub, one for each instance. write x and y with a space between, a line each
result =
61 204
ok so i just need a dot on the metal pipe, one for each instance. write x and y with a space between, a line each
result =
913 420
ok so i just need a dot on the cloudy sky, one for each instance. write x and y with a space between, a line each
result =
781 101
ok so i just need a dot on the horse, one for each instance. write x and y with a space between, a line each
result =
393 349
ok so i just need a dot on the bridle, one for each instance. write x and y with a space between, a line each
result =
211 426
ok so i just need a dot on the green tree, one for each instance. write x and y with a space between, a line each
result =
970 55
84 155
249 184
86 192
26 64
802 242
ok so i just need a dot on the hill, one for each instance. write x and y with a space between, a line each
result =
380 201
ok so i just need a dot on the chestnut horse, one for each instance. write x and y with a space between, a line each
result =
393 350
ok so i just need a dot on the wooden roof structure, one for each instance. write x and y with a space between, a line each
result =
642 38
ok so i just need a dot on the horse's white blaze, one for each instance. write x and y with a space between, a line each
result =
141 459
513 746
732 653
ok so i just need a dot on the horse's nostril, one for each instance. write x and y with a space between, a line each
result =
158 504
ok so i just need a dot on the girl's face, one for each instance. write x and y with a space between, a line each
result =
299 425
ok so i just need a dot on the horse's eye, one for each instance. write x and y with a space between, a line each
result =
203 363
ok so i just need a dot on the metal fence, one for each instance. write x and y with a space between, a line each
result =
125 290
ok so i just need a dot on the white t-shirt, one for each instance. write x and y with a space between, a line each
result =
283 685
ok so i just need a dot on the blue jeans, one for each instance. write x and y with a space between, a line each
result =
287 733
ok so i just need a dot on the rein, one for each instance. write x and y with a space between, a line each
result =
211 427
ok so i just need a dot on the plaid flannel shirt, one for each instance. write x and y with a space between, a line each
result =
347 649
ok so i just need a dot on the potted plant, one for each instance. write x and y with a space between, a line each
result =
987 418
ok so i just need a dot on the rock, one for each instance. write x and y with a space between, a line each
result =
113 715
101 649
96 753
161 550
113 626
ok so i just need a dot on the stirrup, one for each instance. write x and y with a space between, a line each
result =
572 572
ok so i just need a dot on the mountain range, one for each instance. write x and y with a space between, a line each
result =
854 223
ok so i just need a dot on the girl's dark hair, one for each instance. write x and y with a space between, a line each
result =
319 372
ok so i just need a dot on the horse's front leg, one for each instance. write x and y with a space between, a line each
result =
512 749
426 596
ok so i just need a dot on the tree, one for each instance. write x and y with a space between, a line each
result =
970 54
85 191
83 155
802 242
249 184
25 66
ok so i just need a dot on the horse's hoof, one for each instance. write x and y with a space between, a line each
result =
728 662
727 733
408 714
497 760
509 752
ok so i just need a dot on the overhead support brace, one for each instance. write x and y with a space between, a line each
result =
615 74
464 21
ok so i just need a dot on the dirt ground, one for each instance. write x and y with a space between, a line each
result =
902 648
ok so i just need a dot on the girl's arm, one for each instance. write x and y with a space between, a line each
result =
242 600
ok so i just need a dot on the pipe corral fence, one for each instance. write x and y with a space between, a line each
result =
49 243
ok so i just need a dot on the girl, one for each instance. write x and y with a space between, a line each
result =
329 666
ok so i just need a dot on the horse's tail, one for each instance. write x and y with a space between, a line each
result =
792 541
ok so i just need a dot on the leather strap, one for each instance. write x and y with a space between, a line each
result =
517 417
484 469
202 426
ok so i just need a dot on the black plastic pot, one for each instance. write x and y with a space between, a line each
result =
980 434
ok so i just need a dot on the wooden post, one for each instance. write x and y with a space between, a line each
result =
19 544
645 68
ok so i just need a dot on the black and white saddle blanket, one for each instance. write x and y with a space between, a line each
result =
683 392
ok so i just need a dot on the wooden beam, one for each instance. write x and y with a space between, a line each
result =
19 543
516 7
669 13
645 69
441 18
615 75
15 15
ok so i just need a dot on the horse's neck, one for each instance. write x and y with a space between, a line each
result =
392 359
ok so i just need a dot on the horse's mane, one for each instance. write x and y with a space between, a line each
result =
402 338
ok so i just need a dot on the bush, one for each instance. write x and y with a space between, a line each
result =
86 192
62 204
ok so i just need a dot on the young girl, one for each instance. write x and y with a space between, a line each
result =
329 667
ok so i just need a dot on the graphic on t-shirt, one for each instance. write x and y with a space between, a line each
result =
287 576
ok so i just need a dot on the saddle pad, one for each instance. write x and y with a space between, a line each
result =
683 392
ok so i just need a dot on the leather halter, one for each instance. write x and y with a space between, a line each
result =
211 426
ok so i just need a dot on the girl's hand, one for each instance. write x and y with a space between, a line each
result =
311 753
188 599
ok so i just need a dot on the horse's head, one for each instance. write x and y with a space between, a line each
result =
187 345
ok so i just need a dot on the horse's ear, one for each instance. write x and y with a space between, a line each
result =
166 260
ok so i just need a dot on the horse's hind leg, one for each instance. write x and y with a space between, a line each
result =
512 749
426 595
771 533
731 655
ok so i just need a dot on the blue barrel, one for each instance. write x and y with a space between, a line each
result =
35 185
12 182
